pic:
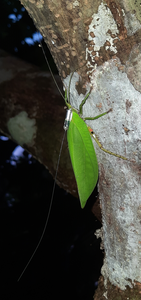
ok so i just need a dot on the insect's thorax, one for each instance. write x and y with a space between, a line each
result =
67 119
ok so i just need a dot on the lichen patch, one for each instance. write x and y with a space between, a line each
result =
22 128
102 30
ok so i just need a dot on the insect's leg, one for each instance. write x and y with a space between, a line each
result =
103 149
82 103
66 99
99 116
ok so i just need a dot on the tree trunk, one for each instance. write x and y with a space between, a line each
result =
100 41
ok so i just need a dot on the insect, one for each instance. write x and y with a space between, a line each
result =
81 149
82 153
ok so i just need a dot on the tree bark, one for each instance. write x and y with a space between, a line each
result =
100 41
32 114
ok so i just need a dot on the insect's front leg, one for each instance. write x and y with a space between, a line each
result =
82 103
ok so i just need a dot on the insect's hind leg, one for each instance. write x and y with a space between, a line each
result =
103 149
99 116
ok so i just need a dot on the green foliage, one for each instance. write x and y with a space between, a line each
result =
83 157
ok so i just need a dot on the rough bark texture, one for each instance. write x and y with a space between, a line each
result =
104 38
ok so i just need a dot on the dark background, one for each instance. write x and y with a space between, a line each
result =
68 261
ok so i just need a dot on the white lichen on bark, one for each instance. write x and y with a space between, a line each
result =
101 23
22 129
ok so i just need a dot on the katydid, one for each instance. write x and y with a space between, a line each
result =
82 153
81 149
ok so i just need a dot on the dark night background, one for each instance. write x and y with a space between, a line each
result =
68 261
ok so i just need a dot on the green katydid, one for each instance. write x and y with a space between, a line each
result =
82 153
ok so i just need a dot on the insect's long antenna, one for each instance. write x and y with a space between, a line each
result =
53 190
50 69
53 75
48 215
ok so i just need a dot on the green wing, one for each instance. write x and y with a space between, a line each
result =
83 157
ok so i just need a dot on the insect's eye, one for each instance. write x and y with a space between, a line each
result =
91 131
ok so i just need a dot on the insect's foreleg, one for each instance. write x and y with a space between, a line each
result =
103 149
82 103
99 116
66 97
66 100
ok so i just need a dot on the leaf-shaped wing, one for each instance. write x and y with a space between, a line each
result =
83 157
